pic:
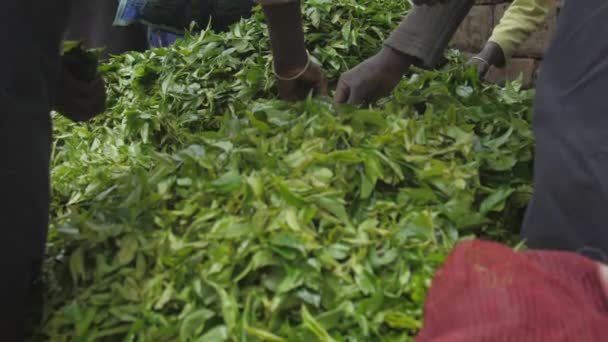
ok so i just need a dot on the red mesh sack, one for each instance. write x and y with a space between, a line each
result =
488 292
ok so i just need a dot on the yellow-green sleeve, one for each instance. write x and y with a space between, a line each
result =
520 20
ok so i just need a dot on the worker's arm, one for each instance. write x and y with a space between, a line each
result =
286 35
295 73
520 20
78 99
420 39
81 91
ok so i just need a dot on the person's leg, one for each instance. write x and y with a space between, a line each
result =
25 140
568 209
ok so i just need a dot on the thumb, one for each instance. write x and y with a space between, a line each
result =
342 92
480 67
288 90
482 71
321 83
321 87
355 97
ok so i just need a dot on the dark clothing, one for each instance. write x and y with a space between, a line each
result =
29 70
159 38
426 30
569 209
91 22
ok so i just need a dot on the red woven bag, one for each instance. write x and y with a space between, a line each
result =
488 292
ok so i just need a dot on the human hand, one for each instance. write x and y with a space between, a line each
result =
491 55
481 65
80 100
374 78
312 79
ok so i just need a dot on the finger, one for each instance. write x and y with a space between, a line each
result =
77 87
288 90
478 67
482 72
316 80
96 97
342 92
98 105
304 90
78 98
321 85
75 110
356 97
88 106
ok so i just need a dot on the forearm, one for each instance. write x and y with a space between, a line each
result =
426 31
286 35
520 20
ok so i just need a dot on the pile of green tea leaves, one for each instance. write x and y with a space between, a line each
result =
200 208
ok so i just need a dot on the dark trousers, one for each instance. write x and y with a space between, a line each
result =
29 69
569 209
25 142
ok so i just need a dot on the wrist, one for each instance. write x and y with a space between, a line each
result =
493 54
293 72
395 60
290 64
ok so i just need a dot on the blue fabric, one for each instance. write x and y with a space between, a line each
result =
128 12
159 38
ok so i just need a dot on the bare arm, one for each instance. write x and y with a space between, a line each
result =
286 36
297 76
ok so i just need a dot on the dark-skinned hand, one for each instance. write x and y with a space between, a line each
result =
77 99
491 55
313 79
481 66
374 78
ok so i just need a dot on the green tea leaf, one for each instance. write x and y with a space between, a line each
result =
315 327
